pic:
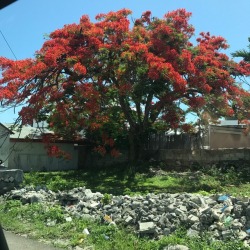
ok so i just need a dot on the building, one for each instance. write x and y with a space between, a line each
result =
27 151
228 134
5 133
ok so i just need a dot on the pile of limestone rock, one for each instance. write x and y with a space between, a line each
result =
156 215
10 179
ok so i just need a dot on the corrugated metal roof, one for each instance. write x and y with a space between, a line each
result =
28 132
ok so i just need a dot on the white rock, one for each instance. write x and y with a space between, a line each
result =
147 227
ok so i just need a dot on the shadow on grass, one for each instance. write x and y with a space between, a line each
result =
122 179
115 180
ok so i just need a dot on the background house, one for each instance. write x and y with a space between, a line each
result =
5 133
228 134
29 153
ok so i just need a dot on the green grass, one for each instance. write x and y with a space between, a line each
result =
121 180
32 219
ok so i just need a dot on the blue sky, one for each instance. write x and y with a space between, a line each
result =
25 22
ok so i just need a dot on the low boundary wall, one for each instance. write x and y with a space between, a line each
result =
175 157
184 157
10 179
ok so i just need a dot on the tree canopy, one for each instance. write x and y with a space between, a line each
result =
116 77
243 76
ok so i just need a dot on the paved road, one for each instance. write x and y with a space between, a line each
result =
16 242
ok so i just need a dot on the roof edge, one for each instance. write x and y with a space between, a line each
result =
10 131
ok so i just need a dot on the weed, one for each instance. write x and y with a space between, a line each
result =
106 199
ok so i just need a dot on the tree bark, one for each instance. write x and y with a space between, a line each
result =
136 145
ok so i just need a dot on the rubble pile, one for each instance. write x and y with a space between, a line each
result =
10 179
156 215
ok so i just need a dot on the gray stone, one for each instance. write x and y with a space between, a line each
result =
227 234
147 227
243 220
236 225
196 226
68 219
161 208
117 200
205 210
171 208
193 204
32 197
107 207
216 214
162 220
206 219
85 210
51 223
152 201
128 219
192 233
166 231
228 210
135 204
237 210
196 199
210 201
10 179
88 194
193 219
176 247
242 235
151 216
248 212
94 205
183 208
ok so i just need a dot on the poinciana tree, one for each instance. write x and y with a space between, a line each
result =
113 77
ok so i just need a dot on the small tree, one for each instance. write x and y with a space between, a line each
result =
112 78
245 71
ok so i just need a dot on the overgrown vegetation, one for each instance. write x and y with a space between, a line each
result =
49 222
151 178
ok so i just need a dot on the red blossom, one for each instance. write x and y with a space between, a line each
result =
80 69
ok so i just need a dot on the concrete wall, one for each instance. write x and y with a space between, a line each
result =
32 156
172 157
226 137
4 145
186 157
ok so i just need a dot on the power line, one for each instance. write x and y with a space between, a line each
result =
8 44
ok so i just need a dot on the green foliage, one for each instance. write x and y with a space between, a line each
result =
54 180
245 54
33 211
106 199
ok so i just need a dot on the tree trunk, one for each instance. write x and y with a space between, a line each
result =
136 146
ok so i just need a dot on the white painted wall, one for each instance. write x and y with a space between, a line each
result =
32 156
4 145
